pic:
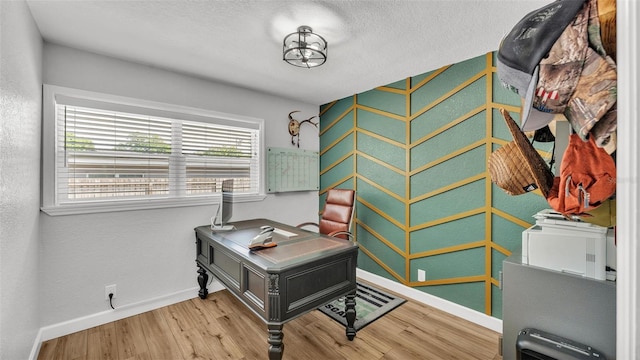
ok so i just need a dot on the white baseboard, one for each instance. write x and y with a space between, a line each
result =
35 350
460 311
121 312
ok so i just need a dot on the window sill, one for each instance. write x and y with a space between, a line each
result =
95 207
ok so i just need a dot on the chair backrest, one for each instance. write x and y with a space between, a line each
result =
338 212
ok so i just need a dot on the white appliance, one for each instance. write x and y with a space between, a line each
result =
573 247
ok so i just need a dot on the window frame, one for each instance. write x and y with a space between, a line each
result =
49 203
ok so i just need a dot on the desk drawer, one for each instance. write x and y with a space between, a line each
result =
202 250
254 288
225 266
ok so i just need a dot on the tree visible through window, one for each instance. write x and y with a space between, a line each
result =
147 143
78 144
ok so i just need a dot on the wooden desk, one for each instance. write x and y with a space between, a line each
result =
278 284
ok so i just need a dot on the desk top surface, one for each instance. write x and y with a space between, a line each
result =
302 247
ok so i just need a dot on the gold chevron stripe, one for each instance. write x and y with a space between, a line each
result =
500 249
384 215
380 162
448 157
511 218
383 265
392 90
383 190
449 187
450 281
336 184
381 238
380 112
336 163
337 120
429 78
327 107
448 126
337 141
447 250
447 219
382 138
448 94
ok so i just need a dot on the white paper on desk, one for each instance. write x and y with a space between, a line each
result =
284 233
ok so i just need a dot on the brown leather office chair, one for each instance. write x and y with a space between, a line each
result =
337 214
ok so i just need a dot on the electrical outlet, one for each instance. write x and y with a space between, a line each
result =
109 289
422 275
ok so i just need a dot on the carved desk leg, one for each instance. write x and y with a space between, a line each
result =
274 324
203 278
350 304
276 347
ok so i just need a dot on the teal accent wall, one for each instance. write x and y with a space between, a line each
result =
416 151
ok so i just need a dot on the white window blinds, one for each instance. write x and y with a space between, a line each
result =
102 154
107 154
214 153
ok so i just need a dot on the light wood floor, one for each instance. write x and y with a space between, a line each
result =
220 327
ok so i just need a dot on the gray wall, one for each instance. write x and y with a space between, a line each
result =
148 254
20 103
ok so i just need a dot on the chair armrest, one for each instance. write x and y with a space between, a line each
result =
308 224
337 234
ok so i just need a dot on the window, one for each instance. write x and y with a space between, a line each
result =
107 153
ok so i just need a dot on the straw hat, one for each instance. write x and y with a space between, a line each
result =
517 167
607 17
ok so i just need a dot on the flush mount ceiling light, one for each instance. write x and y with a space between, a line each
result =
304 48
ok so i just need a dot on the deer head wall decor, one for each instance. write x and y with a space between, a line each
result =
294 127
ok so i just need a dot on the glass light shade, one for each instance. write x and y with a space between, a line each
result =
304 48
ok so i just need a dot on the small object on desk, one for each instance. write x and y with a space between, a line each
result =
269 243
227 227
284 233
263 240
221 226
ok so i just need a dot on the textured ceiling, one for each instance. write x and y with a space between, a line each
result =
371 43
